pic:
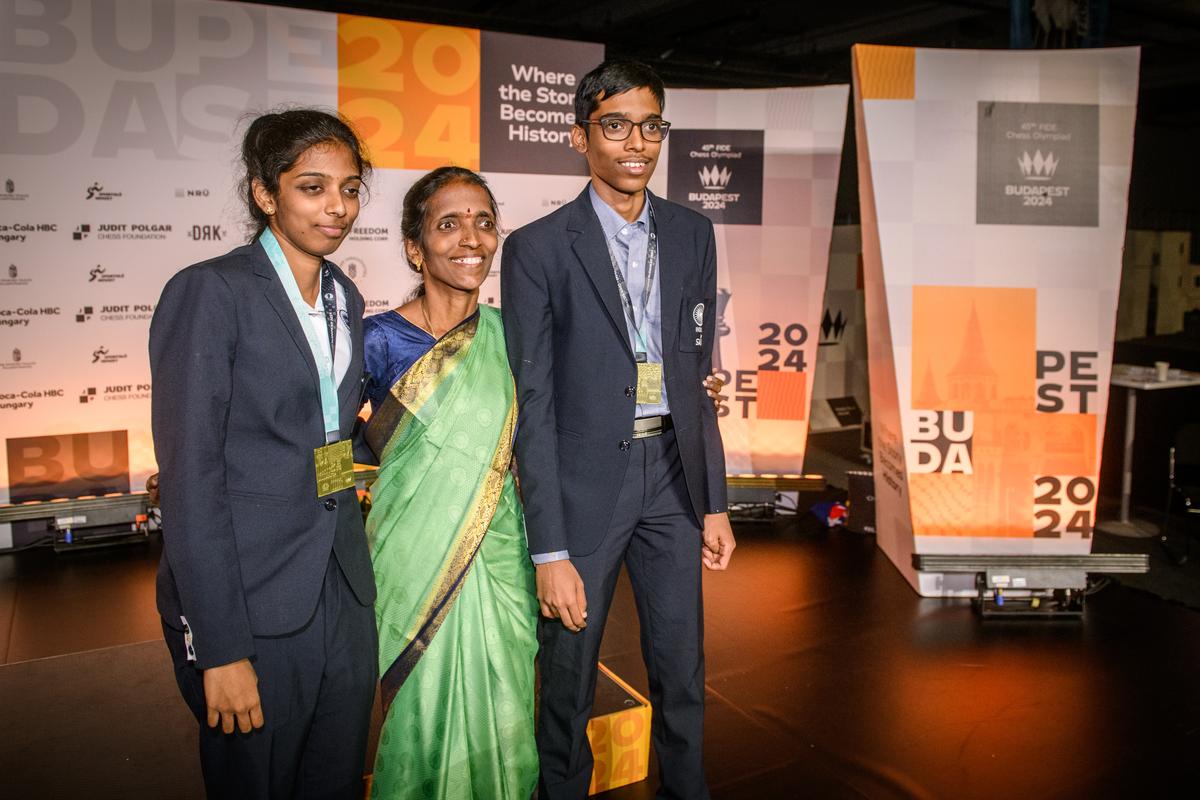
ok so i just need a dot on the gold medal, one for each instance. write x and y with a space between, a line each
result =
649 388
335 467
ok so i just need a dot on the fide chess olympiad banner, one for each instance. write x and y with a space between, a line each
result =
119 130
994 193
763 165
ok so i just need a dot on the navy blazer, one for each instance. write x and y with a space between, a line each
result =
576 375
236 414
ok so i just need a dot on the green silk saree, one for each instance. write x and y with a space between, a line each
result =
456 610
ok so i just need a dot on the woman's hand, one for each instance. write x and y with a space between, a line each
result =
713 384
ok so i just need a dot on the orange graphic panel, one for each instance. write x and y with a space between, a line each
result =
1066 444
943 505
67 465
973 348
411 90
886 73
995 499
782 395
1009 450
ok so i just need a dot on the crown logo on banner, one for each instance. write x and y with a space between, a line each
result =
1038 168
712 178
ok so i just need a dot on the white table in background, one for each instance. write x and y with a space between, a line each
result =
1135 379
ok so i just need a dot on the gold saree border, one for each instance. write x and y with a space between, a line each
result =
403 404
406 397
456 568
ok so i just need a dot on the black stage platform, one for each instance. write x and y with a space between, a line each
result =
828 678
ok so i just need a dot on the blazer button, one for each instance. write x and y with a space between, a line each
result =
624 444
331 504
630 391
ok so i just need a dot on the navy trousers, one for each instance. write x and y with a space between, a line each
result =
316 686
655 534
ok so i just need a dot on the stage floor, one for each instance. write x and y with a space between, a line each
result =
827 678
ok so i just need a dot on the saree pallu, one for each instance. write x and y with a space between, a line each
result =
456 609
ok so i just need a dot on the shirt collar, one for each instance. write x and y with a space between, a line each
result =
610 221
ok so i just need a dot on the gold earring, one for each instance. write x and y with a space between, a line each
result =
271 210
417 266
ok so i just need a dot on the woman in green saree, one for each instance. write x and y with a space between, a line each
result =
456 609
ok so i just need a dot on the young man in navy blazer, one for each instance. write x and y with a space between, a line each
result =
609 310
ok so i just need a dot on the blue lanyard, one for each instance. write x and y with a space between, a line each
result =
329 398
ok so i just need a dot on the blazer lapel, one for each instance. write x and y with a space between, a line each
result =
278 299
592 252
673 260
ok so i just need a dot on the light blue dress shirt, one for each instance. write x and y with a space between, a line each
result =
629 243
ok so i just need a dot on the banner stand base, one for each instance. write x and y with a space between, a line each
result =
1031 586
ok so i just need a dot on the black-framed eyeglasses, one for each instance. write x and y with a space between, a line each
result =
618 129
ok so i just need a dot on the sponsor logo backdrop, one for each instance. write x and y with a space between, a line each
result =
120 167
994 193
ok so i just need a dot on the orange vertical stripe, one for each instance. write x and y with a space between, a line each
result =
886 73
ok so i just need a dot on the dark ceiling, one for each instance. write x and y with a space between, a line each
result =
740 43
725 43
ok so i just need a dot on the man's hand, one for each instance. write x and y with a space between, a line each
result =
231 694
560 593
718 541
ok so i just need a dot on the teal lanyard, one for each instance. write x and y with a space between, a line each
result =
641 339
329 398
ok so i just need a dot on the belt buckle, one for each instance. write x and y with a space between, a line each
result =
654 427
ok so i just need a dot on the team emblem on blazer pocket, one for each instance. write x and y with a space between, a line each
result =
698 318
692 332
